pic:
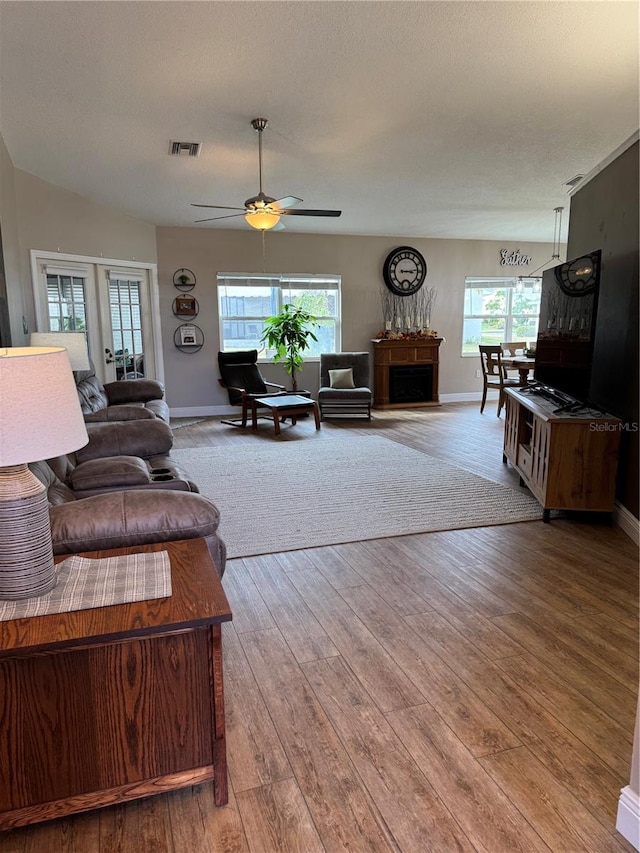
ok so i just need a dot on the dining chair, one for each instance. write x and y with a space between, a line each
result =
510 348
494 375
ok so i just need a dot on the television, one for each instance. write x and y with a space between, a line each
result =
566 329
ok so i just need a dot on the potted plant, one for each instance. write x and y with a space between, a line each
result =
289 333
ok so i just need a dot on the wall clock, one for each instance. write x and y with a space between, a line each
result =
579 277
404 271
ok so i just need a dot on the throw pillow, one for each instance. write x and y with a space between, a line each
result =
342 378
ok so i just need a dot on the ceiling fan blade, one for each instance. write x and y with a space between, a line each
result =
218 206
213 218
311 212
287 201
278 227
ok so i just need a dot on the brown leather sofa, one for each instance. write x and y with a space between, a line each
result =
131 399
123 455
127 517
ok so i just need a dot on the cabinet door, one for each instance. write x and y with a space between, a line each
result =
540 458
511 429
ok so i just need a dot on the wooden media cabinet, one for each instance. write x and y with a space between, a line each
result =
568 462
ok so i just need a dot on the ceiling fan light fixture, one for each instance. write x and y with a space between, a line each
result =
262 220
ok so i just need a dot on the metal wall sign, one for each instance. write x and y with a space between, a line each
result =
514 259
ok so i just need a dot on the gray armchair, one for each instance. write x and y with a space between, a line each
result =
342 393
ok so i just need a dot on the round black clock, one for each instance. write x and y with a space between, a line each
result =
579 277
404 271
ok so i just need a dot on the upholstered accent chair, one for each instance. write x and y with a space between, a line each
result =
344 385
241 378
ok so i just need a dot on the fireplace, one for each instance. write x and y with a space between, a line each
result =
405 373
412 384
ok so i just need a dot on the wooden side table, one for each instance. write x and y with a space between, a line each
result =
115 703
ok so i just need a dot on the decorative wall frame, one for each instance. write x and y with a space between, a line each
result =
185 306
188 338
184 279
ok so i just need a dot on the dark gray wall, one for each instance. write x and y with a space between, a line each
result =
604 215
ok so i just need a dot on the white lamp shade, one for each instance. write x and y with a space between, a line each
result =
75 344
40 415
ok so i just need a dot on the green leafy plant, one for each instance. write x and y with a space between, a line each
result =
289 334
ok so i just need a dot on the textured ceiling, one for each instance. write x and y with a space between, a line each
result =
436 119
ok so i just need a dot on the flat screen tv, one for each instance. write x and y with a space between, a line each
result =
566 330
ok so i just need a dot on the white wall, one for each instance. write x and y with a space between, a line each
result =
192 380
56 220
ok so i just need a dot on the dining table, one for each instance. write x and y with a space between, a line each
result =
523 364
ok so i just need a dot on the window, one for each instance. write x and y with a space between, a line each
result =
499 309
245 301
66 303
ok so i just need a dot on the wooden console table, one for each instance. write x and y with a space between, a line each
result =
405 353
114 703
566 461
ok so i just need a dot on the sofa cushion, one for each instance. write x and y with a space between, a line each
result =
120 413
341 378
363 394
57 491
91 394
126 438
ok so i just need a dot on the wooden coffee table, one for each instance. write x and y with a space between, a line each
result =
115 703
284 406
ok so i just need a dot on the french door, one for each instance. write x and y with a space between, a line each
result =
112 303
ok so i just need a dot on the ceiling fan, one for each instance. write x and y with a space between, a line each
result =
261 211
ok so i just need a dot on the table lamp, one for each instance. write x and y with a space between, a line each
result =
75 344
40 417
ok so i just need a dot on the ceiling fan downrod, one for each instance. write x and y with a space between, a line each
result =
259 125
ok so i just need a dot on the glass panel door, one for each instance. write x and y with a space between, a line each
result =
111 304
126 327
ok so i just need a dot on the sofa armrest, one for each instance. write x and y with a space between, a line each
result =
126 438
137 517
133 391
111 472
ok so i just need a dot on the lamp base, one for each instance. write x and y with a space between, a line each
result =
26 552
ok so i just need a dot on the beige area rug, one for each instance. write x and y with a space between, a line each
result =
311 493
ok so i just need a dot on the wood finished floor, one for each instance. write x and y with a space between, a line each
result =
472 690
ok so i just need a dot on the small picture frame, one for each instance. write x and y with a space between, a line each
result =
186 305
188 336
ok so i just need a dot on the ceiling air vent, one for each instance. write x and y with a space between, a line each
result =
185 149
573 182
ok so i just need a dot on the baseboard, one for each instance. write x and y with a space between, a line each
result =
628 819
627 522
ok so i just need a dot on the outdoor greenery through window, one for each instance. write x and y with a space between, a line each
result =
498 310
245 301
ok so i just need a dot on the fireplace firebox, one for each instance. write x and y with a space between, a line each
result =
412 384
